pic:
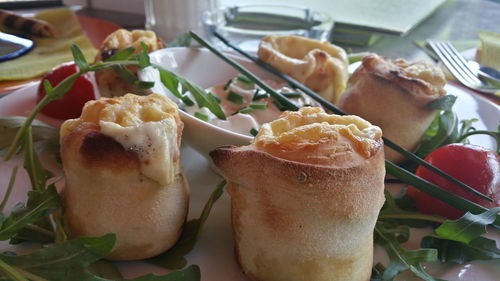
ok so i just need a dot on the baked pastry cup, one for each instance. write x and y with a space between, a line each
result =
108 82
395 95
321 66
123 174
305 196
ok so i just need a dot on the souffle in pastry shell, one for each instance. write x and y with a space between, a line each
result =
108 82
305 196
395 95
321 66
123 175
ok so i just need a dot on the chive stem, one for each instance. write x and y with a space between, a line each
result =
436 191
234 97
326 104
275 95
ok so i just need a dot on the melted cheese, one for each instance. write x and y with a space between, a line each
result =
424 71
147 125
154 142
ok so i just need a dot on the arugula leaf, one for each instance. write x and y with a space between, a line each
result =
447 125
70 261
466 128
143 57
172 81
63 261
443 103
480 248
122 54
125 74
79 58
40 130
40 203
174 257
183 40
10 272
390 237
39 231
468 227
37 173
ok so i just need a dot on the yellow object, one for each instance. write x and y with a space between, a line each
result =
49 52
490 49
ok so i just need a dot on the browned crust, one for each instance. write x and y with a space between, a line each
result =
98 150
420 90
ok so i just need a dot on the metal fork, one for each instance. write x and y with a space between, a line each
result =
459 68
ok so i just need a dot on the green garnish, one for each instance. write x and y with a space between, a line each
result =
228 83
443 103
275 95
187 100
201 116
216 97
258 95
390 237
279 105
245 80
234 97
254 132
292 95
172 81
246 110
258 105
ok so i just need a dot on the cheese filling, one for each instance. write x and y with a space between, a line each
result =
312 133
154 143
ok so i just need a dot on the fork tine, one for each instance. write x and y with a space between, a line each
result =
449 63
459 59
447 58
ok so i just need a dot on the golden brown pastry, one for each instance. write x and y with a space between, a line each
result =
109 83
321 66
305 196
395 96
123 174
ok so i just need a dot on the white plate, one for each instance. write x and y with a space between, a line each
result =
214 251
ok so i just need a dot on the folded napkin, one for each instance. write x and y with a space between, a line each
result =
48 52
489 53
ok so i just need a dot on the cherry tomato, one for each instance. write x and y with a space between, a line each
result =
70 106
472 165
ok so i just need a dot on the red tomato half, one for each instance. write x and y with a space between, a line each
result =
70 106
472 165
